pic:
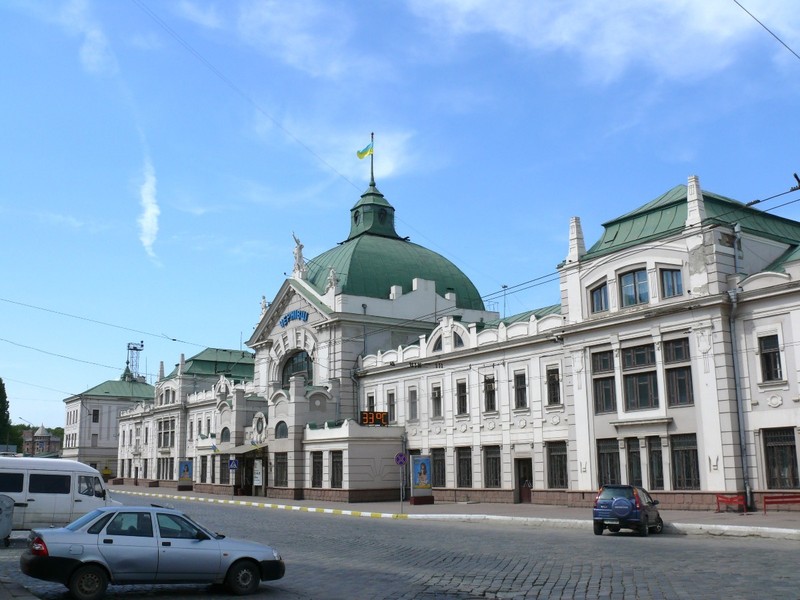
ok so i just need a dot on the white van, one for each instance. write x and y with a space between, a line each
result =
50 491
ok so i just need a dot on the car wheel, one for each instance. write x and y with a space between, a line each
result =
644 528
613 528
243 578
598 528
88 583
659 526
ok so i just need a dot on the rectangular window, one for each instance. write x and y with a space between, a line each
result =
599 296
556 465
203 469
464 467
603 383
413 413
671 283
685 466
520 390
96 415
281 469
640 387
49 484
490 400
608 462
11 482
337 468
438 467
634 288
391 407
634 461
553 386
770 352
492 466
781 455
461 397
678 373
316 469
655 466
436 401
191 437
94 441
370 402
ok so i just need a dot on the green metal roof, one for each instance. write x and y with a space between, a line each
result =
235 364
665 216
374 258
118 388
539 313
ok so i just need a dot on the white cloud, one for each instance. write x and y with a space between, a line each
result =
148 220
676 38
310 36
205 16
95 53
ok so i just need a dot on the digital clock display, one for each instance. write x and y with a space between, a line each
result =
372 417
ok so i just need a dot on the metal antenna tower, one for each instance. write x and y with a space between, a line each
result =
133 357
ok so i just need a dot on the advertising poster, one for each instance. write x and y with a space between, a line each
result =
258 472
420 475
185 471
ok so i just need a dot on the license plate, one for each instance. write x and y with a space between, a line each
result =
611 521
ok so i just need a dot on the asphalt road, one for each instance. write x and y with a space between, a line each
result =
330 557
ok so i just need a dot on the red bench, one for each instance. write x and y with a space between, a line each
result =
734 499
780 499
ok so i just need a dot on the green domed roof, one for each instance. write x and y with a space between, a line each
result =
374 258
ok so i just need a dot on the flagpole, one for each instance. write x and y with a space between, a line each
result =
372 159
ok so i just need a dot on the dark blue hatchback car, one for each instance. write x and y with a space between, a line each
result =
626 507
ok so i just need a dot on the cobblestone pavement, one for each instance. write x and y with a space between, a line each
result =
330 558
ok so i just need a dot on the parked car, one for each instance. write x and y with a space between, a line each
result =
127 545
626 507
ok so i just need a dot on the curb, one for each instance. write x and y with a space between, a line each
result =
669 528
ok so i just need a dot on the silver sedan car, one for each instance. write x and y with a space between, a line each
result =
125 545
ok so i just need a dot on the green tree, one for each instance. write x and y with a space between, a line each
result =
5 419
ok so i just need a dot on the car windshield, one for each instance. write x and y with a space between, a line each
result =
84 520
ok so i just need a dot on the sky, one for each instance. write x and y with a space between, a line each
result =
158 156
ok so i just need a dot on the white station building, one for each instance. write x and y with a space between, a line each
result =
668 361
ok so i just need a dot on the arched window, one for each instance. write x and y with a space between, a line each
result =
298 364
281 431
437 345
458 341
225 435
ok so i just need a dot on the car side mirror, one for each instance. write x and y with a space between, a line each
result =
655 502
201 536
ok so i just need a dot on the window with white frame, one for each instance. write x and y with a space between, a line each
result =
492 466
780 452
520 389
685 465
281 469
464 467
639 377
438 467
391 406
599 298
557 477
634 288
462 406
337 468
413 407
678 372
489 395
608 462
671 283
436 401
553 380
371 402
316 469
770 352
603 382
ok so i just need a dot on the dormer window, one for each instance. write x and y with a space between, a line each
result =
599 298
671 283
634 288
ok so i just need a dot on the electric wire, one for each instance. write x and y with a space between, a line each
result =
773 34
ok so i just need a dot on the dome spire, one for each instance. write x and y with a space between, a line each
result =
372 214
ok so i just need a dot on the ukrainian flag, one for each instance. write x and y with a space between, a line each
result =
365 152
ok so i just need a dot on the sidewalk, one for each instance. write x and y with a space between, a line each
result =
779 524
